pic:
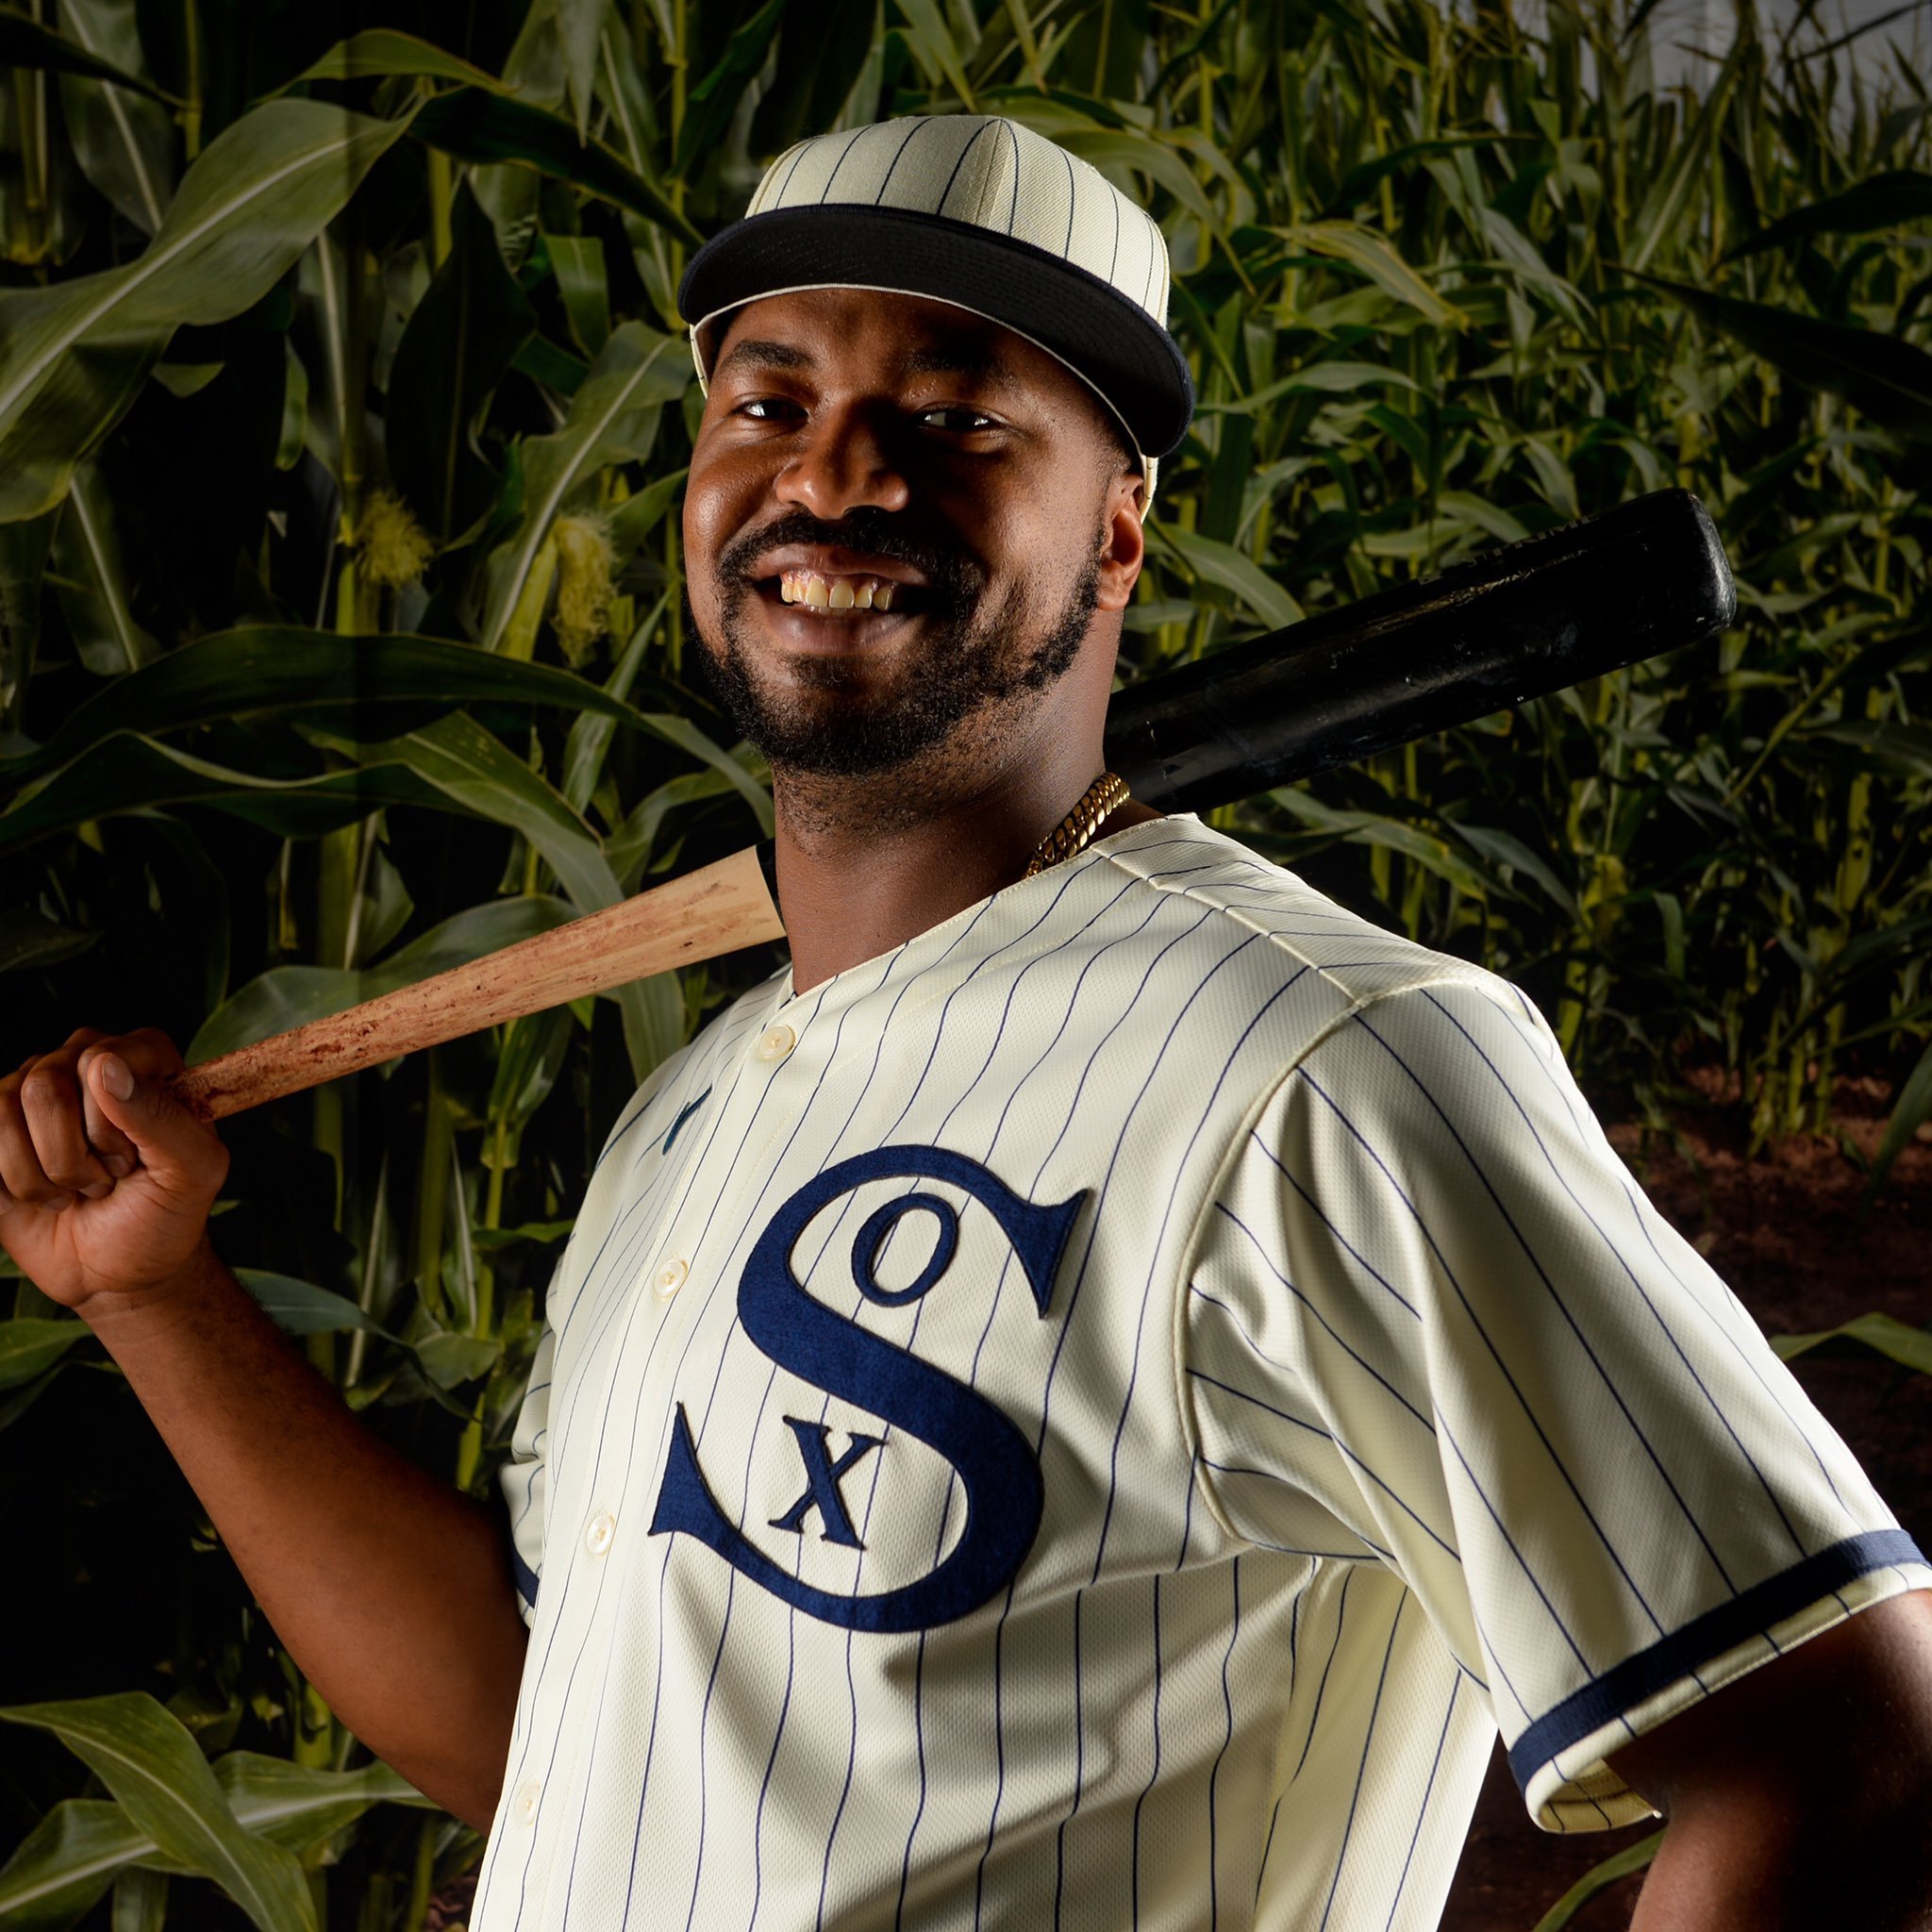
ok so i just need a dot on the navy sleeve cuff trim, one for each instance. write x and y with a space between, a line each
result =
1626 1685
526 1576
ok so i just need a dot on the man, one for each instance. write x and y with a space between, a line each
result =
1086 1400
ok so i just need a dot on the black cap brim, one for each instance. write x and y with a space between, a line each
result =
1105 338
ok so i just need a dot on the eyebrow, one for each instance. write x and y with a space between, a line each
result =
763 355
961 359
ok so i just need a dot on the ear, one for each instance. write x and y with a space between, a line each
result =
1124 544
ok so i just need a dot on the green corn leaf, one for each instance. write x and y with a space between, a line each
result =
281 670
299 1308
124 141
87 578
147 1759
584 283
590 736
450 1359
1906 748
30 939
1334 375
130 772
287 996
1887 200
381 50
1909 1112
299 1806
1367 828
74 355
141 1900
458 757
1883 376
1505 851
543 361
1662 213
1227 568
23 43
1362 179
66 1863
1515 250
931 36
579 30
82 1844
1376 257
612 418
24 551
540 1232
460 341
1118 152
1886 1334
34 1344
1599 1879
476 126
713 101
634 520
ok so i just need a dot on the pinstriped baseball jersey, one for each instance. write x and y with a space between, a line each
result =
1094 1416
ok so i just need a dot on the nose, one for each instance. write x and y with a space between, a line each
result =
843 461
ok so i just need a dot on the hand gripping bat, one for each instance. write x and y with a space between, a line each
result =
1511 623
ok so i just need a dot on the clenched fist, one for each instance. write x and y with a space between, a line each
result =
106 1183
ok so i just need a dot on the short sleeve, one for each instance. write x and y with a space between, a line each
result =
1431 1320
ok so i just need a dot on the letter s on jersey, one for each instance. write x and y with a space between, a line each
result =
992 1459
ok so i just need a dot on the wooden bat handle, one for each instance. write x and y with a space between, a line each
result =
715 909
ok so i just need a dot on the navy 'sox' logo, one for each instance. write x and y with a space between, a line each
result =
992 1459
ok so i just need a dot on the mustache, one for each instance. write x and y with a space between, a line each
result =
952 578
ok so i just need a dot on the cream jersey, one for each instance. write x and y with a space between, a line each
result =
1095 1417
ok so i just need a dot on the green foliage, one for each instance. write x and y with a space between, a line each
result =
344 398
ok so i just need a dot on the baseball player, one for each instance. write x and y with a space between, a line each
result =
1090 1398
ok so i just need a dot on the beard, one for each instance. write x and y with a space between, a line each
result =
970 658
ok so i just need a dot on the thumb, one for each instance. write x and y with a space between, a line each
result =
170 1142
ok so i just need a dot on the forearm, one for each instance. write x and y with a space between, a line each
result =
392 1590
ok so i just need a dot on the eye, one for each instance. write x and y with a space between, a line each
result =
957 418
768 408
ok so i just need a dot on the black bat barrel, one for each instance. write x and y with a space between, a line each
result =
1511 623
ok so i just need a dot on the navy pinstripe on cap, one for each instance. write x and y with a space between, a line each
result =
978 211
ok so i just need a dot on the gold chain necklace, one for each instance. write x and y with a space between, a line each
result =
1096 804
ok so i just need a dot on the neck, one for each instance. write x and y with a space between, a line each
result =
865 864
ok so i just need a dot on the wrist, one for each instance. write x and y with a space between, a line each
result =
125 1316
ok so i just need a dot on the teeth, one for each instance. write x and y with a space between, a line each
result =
809 588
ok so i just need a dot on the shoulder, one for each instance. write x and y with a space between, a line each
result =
1284 928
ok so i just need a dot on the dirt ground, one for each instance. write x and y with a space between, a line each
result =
1786 1232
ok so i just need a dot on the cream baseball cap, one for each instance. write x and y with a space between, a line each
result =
976 211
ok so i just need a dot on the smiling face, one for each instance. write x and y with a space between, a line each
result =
900 525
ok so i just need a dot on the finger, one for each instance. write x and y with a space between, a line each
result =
22 1177
128 1081
51 1105
152 1056
118 1154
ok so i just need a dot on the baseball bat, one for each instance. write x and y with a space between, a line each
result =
1514 623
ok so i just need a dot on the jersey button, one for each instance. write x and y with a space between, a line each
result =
671 1279
597 1537
526 1803
774 1043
